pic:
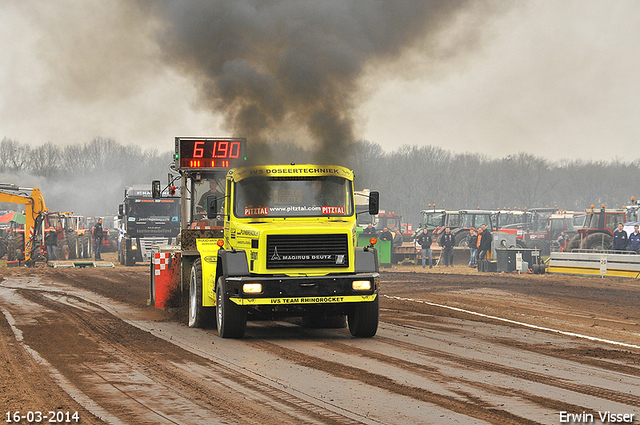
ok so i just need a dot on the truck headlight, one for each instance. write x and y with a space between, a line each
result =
252 288
361 285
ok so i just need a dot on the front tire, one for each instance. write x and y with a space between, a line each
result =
363 319
462 240
199 316
231 318
127 256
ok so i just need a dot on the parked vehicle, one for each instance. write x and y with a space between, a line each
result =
597 232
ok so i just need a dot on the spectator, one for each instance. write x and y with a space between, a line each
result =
448 242
98 234
562 240
369 230
485 243
479 241
620 239
634 240
51 242
397 238
385 235
425 242
473 247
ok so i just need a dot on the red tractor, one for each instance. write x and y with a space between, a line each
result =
597 232
392 221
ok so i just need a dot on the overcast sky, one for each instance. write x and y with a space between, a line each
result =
559 79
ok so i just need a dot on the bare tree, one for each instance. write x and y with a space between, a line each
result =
14 157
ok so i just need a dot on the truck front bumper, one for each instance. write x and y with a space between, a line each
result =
303 290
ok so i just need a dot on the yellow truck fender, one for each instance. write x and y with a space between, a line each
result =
208 249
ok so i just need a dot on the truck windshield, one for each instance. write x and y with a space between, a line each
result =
154 209
288 197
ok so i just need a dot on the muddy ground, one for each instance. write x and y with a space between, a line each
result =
479 357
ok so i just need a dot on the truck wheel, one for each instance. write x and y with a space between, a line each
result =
127 257
199 316
231 318
363 320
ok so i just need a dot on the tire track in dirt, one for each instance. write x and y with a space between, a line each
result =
208 389
436 375
597 357
599 392
28 380
467 406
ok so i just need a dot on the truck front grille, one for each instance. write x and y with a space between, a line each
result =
307 251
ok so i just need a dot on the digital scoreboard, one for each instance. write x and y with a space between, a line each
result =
207 153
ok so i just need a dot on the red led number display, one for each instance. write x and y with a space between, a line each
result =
219 149
210 153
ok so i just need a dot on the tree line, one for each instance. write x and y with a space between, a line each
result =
90 178
86 178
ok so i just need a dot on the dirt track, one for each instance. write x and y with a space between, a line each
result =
84 340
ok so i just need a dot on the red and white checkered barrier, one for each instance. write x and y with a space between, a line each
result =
160 261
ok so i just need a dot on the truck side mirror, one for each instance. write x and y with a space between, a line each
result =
374 203
212 206
120 210
156 190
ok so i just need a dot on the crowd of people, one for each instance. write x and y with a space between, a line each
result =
479 241
623 242
52 235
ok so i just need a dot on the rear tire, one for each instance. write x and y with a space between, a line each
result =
72 244
574 243
62 250
363 320
599 241
231 318
199 316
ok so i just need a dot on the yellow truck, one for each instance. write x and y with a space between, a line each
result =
271 241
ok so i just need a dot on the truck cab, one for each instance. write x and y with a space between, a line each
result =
144 222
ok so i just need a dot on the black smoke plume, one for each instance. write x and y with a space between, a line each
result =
293 66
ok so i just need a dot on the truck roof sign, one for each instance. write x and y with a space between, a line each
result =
292 171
